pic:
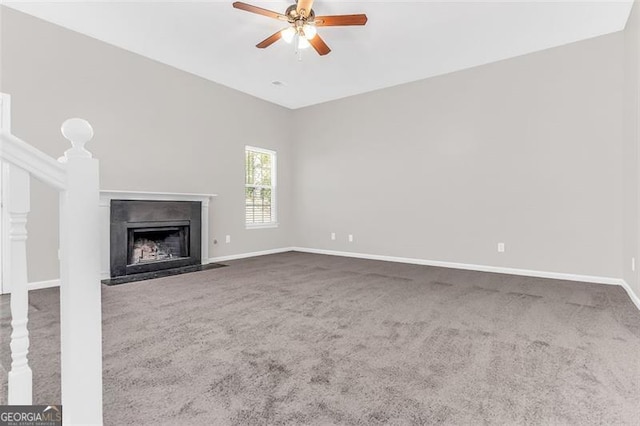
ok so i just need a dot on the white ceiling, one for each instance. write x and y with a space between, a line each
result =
402 42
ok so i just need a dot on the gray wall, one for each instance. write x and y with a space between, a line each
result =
157 129
631 142
525 151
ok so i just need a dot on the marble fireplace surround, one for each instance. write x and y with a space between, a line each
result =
105 220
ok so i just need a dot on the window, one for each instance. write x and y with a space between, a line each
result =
260 188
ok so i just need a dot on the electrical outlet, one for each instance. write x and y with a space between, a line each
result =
228 239
333 236
500 247
350 238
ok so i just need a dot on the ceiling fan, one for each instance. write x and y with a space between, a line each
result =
302 21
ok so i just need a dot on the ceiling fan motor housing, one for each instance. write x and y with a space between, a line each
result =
293 15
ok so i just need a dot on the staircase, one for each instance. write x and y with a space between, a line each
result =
75 177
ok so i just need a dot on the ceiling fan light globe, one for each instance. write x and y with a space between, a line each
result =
288 34
303 43
310 31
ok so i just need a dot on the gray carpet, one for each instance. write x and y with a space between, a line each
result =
308 339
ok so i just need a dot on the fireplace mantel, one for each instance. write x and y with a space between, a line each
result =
105 204
106 196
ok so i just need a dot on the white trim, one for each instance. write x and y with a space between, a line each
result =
5 286
262 225
484 268
470 267
453 265
481 268
253 254
5 124
260 150
5 112
17 152
107 195
634 297
37 285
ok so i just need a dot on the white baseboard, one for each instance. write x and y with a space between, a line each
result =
484 268
470 267
453 265
37 285
252 254
634 297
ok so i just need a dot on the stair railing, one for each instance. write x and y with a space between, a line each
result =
75 176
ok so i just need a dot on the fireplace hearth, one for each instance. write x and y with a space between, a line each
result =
149 236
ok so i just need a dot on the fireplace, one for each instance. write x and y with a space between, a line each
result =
149 236
155 243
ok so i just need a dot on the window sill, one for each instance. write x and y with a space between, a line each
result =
262 225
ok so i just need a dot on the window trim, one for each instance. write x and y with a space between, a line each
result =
274 188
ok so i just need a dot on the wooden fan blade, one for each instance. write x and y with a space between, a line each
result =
321 47
269 40
304 7
340 20
260 11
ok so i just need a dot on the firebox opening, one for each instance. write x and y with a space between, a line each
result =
148 245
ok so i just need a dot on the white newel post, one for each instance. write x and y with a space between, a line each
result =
20 381
80 298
